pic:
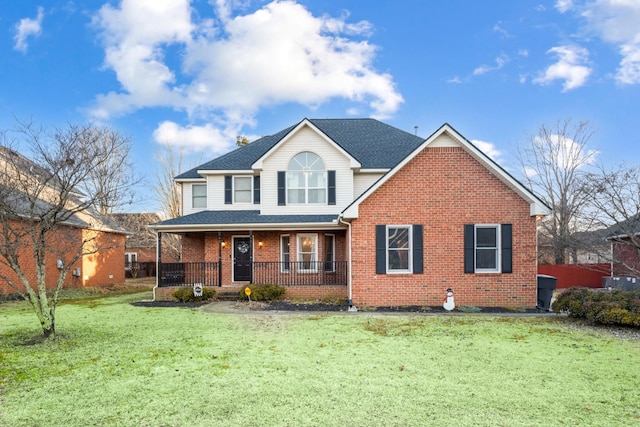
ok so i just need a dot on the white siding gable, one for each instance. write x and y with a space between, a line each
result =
187 198
362 181
305 139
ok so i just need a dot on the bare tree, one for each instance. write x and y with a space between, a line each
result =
44 214
113 181
169 165
614 206
553 162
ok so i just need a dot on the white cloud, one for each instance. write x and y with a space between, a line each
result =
564 5
26 28
530 172
566 152
618 22
498 28
500 62
231 66
487 148
205 138
570 67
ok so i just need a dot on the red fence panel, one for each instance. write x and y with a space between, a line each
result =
582 275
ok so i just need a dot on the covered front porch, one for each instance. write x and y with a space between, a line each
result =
309 260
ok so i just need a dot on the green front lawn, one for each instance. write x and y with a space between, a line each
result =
116 364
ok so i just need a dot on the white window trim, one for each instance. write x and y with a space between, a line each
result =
307 188
193 196
410 251
283 267
233 190
314 259
498 268
131 258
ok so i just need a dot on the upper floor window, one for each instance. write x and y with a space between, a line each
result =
306 179
242 189
199 195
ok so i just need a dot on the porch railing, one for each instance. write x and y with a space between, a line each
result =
188 273
300 273
275 273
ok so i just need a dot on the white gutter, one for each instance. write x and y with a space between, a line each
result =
349 287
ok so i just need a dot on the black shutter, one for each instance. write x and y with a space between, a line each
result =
228 194
507 255
417 249
282 195
331 175
256 190
469 251
381 249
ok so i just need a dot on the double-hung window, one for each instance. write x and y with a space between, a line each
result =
242 189
487 249
199 195
307 252
398 248
306 180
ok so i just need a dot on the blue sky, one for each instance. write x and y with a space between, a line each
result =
196 74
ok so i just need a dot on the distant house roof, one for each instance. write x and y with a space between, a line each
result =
235 219
23 205
374 144
137 224
625 229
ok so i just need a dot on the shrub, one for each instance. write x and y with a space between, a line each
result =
185 294
263 292
605 307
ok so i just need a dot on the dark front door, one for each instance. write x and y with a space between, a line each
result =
241 259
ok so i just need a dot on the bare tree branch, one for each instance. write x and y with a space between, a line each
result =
553 162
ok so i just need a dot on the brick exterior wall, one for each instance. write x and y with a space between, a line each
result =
627 260
443 189
101 269
107 265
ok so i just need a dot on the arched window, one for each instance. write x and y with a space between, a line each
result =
306 179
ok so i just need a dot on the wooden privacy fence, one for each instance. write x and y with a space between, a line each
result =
580 275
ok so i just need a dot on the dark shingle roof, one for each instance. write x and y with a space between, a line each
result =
243 217
374 144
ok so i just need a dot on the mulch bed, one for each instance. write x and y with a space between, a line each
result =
168 304
320 306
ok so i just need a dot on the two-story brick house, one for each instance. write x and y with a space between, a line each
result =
357 209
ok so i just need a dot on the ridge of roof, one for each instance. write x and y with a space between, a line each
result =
376 145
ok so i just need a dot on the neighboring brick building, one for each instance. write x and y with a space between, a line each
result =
357 209
141 243
84 231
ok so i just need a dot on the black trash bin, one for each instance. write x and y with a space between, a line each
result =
546 286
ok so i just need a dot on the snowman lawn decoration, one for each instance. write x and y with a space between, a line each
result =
449 304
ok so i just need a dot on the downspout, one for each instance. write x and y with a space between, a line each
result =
349 287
